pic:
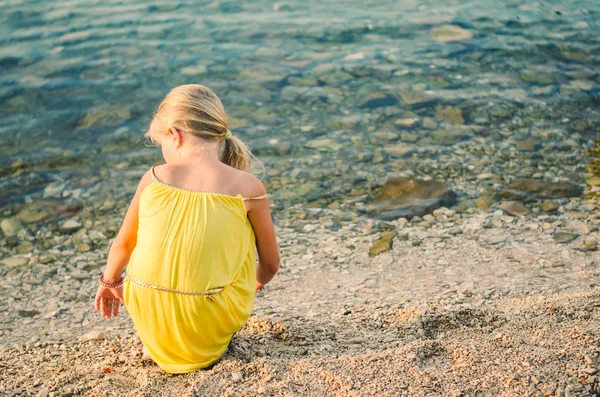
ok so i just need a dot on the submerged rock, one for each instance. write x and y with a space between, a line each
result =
11 226
70 226
409 197
514 207
562 237
448 33
533 189
450 115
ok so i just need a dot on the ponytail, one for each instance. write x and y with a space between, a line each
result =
236 154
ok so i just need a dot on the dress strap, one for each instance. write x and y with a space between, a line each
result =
264 196
154 178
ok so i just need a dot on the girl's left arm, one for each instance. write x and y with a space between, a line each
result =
126 239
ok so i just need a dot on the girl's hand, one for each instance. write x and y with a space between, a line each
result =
108 299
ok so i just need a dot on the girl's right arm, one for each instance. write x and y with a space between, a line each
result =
259 215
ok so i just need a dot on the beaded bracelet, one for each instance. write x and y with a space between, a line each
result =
105 284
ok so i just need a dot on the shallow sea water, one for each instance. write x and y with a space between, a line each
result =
333 97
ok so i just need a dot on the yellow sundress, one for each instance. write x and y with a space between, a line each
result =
191 278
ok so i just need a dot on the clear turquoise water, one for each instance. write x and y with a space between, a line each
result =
320 89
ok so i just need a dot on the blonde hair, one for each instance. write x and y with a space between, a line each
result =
195 109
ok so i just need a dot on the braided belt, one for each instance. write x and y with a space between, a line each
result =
207 294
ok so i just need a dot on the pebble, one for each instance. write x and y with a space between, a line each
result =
14 261
514 208
69 226
11 226
449 33
93 335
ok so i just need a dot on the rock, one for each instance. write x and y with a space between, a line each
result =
410 197
399 150
483 203
549 205
578 227
450 115
447 137
382 244
449 33
70 226
496 239
370 283
93 335
561 237
236 376
533 189
29 215
80 275
99 117
376 100
324 145
527 146
14 261
54 190
25 247
28 313
11 226
514 208
536 77
588 245
413 98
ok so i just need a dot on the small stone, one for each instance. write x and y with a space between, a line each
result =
429 218
236 376
11 226
54 190
534 189
450 115
93 335
514 208
578 227
496 239
549 205
14 261
28 215
561 237
526 146
370 283
588 245
324 145
376 100
70 226
590 370
28 313
382 244
80 275
483 203
449 33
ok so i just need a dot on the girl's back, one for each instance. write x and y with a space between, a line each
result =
190 238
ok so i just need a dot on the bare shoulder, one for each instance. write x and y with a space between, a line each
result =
145 180
251 186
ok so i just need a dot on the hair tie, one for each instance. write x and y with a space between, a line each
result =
228 135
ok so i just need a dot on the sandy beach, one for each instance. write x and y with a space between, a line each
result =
450 309
434 179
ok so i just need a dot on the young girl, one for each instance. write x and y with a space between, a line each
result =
190 238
